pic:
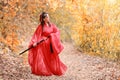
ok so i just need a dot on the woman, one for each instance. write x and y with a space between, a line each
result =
43 58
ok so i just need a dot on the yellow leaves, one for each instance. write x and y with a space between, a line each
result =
12 41
12 3
12 12
103 42
86 19
9 40
9 37
111 2
117 43
54 4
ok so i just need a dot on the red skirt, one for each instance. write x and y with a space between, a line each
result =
45 62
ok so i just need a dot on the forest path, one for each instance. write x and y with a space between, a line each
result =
80 67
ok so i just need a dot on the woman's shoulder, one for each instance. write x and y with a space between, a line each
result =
39 27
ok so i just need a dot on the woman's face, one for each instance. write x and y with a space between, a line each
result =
46 19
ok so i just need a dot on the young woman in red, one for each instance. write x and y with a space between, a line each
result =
44 58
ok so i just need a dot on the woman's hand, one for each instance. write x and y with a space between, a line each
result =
44 38
35 44
51 34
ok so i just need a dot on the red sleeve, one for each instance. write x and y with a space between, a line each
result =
55 29
55 40
36 36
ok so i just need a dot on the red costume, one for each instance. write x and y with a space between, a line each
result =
44 58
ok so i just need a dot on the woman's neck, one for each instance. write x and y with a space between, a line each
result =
46 23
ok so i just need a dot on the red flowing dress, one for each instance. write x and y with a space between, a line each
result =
44 58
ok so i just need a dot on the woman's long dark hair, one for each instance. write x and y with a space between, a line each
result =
42 16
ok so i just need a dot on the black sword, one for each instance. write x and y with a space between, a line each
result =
31 47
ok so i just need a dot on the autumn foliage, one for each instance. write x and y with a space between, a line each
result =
100 28
93 25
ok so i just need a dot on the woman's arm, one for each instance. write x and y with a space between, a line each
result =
55 30
36 36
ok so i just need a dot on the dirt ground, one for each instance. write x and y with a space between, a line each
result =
80 67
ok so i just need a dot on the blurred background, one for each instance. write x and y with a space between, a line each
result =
93 26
